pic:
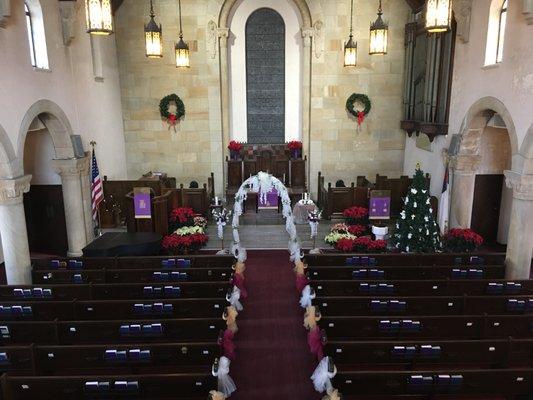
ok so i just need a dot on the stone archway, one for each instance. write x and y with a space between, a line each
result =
307 32
7 155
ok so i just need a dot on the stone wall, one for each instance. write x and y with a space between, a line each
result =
337 148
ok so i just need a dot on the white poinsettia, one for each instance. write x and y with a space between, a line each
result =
189 230
334 237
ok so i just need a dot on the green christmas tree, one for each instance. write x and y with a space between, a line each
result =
416 229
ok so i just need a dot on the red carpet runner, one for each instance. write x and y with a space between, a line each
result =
273 361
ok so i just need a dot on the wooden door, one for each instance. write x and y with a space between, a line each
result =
486 206
45 219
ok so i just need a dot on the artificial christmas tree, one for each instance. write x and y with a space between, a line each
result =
416 229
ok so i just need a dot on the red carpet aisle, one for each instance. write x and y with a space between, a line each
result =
273 361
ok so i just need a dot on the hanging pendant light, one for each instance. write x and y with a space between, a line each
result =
182 50
350 48
99 17
438 16
153 36
379 32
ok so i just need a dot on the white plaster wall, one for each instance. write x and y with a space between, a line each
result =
38 154
93 108
293 65
511 82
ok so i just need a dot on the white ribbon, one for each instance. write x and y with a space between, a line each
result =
307 297
314 228
234 298
226 385
322 377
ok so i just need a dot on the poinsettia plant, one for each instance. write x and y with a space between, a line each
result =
294 145
184 244
355 215
459 240
361 245
181 216
235 146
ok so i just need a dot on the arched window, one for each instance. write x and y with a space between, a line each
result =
501 31
36 36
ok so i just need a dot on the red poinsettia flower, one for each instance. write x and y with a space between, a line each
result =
235 146
294 145
361 245
461 240
181 214
357 230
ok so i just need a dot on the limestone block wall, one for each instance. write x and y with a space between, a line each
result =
337 148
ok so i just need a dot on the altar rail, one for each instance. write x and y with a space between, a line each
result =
334 200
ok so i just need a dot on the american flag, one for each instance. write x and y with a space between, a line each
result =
97 190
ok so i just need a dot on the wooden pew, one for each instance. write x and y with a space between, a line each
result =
428 327
389 288
191 386
17 360
67 276
125 359
413 354
488 383
168 275
407 260
123 291
111 309
401 272
441 305
28 332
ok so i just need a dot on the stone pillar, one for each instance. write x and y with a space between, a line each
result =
307 35
223 34
87 199
520 239
464 178
70 171
13 230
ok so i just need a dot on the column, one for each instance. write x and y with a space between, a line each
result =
87 199
520 239
13 230
307 35
464 178
223 34
71 171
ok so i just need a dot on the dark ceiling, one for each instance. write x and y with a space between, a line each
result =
416 5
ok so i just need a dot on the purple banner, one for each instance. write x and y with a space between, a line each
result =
379 208
142 203
272 199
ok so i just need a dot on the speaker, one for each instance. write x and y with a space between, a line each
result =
77 145
455 144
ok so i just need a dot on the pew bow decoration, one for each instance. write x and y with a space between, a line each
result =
233 297
308 295
215 395
172 110
324 372
221 218
353 100
238 280
226 342
230 316
220 370
332 395
301 278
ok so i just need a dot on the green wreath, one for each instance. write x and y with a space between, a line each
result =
358 98
163 108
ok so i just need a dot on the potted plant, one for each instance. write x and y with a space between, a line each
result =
361 245
356 215
235 149
459 240
295 146
181 216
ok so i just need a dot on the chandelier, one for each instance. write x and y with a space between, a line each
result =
379 31
438 16
350 48
153 36
99 17
181 48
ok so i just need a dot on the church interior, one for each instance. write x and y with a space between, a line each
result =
266 199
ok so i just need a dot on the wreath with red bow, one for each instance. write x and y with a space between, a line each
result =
353 100
171 118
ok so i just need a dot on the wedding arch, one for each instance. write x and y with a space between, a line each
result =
263 183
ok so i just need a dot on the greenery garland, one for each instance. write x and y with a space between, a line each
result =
163 108
358 98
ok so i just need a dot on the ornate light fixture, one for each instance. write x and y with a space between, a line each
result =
379 31
182 50
350 48
438 16
99 17
153 36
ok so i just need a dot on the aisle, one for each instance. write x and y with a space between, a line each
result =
273 362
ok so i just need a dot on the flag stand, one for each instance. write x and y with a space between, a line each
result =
97 228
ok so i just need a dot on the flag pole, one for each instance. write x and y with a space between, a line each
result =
98 222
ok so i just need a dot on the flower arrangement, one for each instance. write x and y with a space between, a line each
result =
361 245
294 145
355 215
334 237
357 230
181 216
200 221
235 146
340 228
184 244
462 240
189 230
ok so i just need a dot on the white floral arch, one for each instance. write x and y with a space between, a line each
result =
263 183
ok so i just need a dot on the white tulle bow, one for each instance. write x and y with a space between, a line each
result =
234 298
322 377
226 385
307 297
